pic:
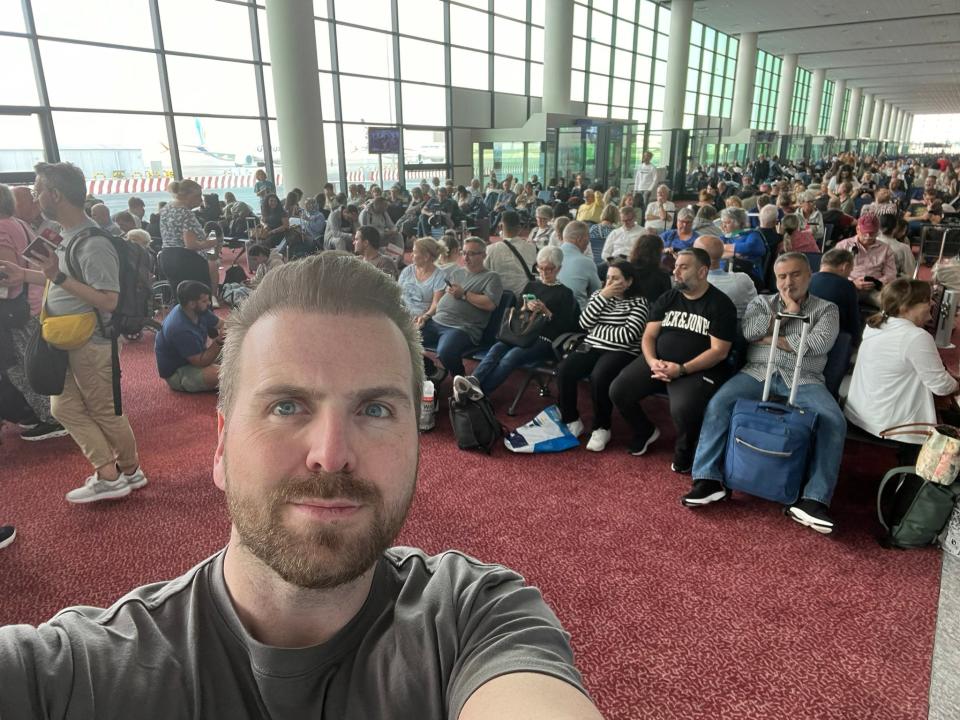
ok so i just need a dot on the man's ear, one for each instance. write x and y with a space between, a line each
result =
219 455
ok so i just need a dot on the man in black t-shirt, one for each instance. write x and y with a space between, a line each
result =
689 333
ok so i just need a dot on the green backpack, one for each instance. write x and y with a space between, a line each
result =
914 512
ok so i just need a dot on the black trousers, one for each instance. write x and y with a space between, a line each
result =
602 366
689 396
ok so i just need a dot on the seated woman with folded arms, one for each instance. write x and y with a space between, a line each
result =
898 368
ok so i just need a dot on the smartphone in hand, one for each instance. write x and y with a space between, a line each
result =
39 250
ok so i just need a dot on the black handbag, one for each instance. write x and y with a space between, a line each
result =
521 327
15 312
46 365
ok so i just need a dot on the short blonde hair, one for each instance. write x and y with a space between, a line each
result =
428 245
140 237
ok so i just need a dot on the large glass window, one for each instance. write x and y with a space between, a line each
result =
18 85
206 28
217 87
364 52
422 18
22 145
11 16
710 76
826 107
367 100
424 104
801 100
368 13
766 89
97 21
425 147
421 61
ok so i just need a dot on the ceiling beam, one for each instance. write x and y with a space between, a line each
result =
859 23
875 47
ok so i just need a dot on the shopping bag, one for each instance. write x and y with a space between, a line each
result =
545 433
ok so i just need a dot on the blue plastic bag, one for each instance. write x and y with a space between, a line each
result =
544 434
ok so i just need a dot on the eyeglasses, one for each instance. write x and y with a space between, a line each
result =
471 253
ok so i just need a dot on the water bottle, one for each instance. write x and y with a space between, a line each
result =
428 411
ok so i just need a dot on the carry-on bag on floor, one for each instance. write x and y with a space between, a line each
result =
768 448
915 512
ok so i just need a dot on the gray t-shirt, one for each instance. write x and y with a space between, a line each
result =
432 630
99 266
463 314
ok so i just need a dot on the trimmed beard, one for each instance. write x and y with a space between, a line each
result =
323 557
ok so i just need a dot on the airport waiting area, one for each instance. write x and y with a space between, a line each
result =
624 388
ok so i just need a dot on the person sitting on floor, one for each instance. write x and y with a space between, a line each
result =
736 285
464 310
898 369
874 264
186 357
833 283
688 335
793 274
614 319
550 298
261 260
366 244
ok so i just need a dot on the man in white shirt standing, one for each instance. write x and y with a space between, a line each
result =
645 178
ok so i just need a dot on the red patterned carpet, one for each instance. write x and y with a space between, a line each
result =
735 612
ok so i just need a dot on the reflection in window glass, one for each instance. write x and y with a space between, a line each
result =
422 18
364 52
421 61
369 13
367 100
18 86
22 145
207 28
468 69
509 37
95 21
425 147
323 45
469 28
212 86
509 75
125 79
11 16
423 104
107 146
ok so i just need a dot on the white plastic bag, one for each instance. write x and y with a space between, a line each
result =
545 433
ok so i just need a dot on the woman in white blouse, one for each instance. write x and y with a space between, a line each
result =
898 368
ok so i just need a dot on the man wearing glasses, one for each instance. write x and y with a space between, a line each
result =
473 292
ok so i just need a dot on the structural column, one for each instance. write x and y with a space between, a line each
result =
909 133
885 122
836 112
866 116
853 114
788 74
895 124
877 119
293 47
816 101
745 81
557 56
681 15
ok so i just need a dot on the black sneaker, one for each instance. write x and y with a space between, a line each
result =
44 431
682 468
705 492
29 424
639 445
813 514
7 534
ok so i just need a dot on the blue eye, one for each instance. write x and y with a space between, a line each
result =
376 410
285 408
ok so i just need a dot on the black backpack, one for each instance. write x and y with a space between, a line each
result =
474 424
135 308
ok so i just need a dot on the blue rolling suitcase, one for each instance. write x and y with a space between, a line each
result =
769 445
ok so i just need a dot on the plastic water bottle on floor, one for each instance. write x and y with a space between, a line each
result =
428 409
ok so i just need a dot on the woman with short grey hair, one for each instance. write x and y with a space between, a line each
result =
742 242
540 235
547 297
810 217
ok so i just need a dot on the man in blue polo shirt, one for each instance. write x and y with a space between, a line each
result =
579 271
186 357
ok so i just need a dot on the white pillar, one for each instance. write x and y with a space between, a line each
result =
557 56
885 123
788 74
816 101
744 86
866 117
853 114
836 111
895 119
877 119
681 15
293 45
908 138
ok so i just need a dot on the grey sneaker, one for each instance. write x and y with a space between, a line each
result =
94 489
134 480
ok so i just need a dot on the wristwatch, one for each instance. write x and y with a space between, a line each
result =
59 279
683 370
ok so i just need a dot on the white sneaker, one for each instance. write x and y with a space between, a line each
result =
575 427
134 480
598 440
95 489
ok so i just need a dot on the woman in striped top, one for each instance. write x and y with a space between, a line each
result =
614 319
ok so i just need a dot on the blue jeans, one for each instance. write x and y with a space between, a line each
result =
828 439
503 359
451 343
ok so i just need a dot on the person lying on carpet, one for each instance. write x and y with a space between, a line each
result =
792 271
309 611
190 341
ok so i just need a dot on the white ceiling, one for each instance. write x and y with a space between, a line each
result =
907 53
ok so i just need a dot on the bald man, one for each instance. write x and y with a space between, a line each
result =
27 209
101 216
737 286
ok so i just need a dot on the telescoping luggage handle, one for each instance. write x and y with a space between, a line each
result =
805 319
